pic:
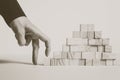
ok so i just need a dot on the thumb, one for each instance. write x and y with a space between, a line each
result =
20 36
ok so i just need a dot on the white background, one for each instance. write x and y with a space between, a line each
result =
57 19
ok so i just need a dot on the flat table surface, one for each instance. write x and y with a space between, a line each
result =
26 71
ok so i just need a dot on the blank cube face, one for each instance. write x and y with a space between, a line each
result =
91 27
89 62
101 49
105 41
74 55
76 41
88 55
92 42
109 62
76 34
98 34
57 54
91 49
98 55
74 62
64 55
95 42
78 48
108 49
83 35
90 34
79 34
83 27
108 56
65 48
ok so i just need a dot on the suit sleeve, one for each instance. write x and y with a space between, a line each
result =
10 9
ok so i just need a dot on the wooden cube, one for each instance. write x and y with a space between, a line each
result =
96 62
74 62
91 49
108 56
105 41
63 62
79 34
108 49
83 34
76 41
98 34
52 62
78 48
89 62
90 27
83 27
110 62
59 62
99 62
98 55
57 54
76 34
45 62
82 62
65 48
88 55
95 42
90 34
101 49
74 55
64 55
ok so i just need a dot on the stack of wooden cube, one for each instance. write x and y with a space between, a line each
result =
85 48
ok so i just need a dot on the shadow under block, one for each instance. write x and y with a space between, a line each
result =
99 62
110 62
89 62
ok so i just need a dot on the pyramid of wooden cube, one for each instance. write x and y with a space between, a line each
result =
85 48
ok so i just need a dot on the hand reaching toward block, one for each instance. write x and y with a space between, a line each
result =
25 32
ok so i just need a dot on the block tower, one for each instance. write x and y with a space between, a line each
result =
85 48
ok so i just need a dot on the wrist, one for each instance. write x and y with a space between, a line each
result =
19 21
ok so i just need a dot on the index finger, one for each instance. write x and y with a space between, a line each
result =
35 45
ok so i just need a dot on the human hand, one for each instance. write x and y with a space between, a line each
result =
25 32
